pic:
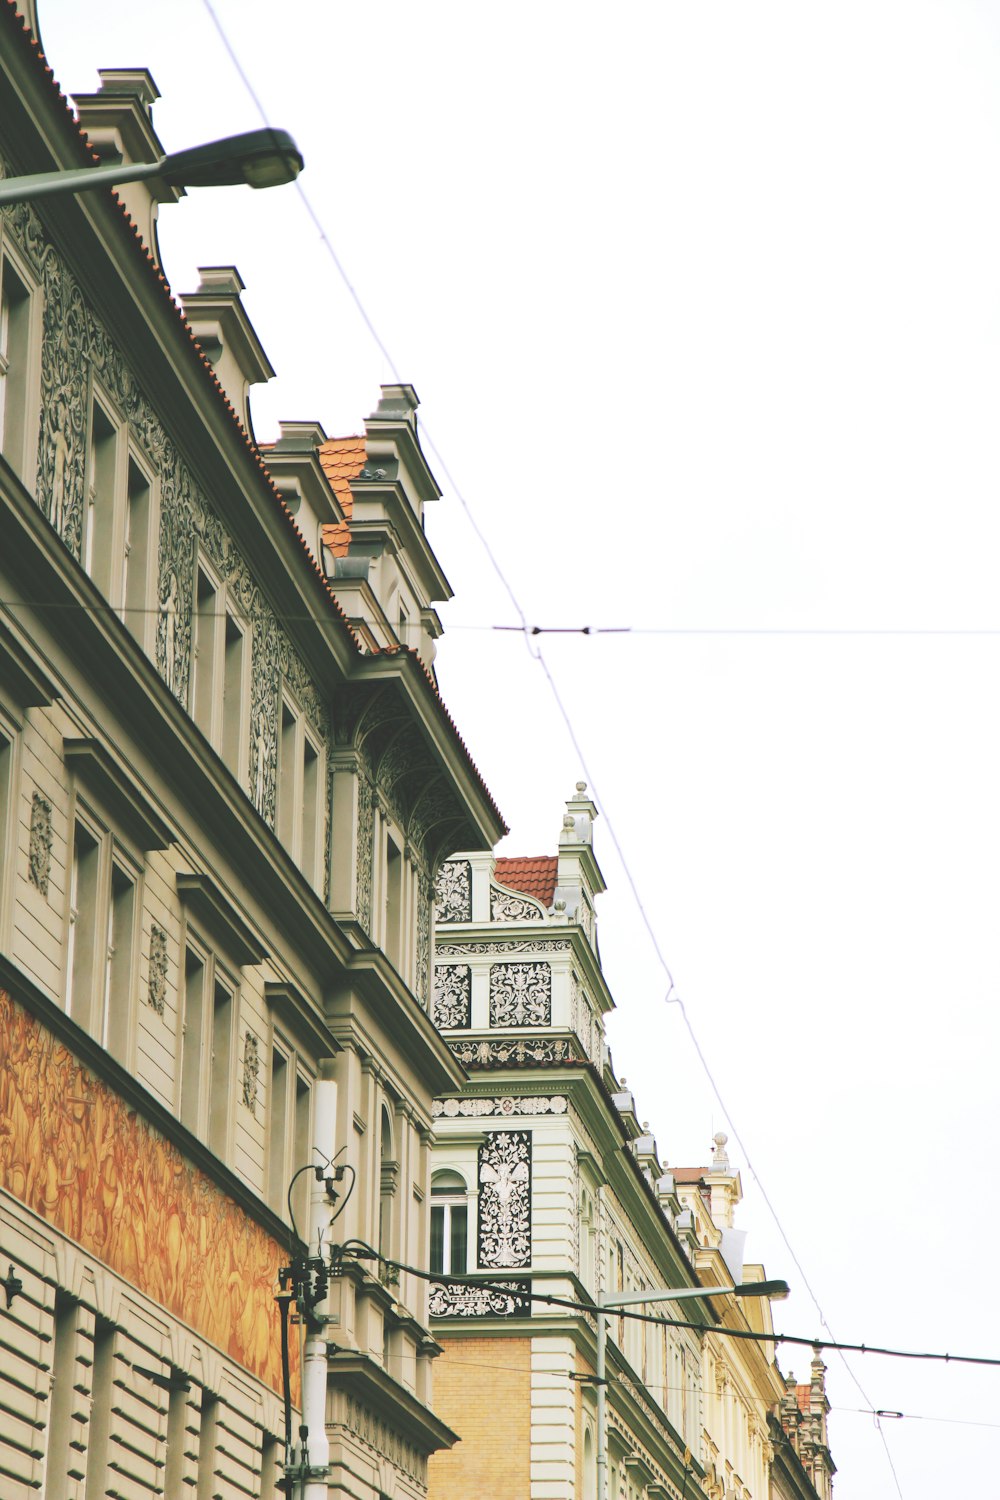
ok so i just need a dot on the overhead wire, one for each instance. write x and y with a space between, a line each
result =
536 653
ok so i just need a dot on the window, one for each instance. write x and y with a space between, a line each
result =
388 1170
101 942
206 1048
99 512
137 551
449 1224
393 901
6 805
289 1143
220 695
119 521
15 361
299 811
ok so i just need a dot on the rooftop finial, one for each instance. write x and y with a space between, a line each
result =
720 1161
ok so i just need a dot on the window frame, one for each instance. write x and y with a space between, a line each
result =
21 451
299 828
298 1080
448 1199
212 1113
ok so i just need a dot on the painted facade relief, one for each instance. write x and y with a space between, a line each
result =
87 1163
505 1199
520 994
452 995
453 892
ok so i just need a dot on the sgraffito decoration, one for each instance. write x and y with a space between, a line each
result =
544 945
157 991
366 850
40 843
83 1159
76 353
501 1299
453 892
251 1071
506 907
425 900
516 1052
520 994
505 1199
452 995
508 1104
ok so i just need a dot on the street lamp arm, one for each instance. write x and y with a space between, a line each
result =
772 1289
259 158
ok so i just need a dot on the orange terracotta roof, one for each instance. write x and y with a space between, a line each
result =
534 876
803 1394
342 460
687 1174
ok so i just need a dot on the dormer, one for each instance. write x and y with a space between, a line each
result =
219 322
300 479
118 120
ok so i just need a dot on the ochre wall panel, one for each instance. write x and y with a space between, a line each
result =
82 1159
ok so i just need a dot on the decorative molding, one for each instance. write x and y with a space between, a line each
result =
544 945
453 892
377 1434
452 995
40 843
156 992
251 1071
506 907
102 771
501 1299
506 1104
521 994
519 1052
504 1216
216 913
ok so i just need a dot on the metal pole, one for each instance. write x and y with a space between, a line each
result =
602 1405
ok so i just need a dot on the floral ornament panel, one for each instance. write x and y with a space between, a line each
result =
505 1199
453 892
505 907
520 994
521 1051
452 995
500 1299
40 843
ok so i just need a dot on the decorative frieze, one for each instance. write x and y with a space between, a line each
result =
452 995
521 994
505 1199
506 907
156 992
453 892
506 1104
386 1442
545 945
518 1052
40 843
501 1299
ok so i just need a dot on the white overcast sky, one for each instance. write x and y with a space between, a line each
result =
702 305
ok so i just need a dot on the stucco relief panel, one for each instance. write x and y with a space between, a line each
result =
520 994
453 892
504 1216
452 995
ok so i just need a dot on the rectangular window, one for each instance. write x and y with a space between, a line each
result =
449 1238
192 1039
84 884
120 968
136 551
204 652
221 1071
303 1152
310 810
234 740
277 1132
393 902
287 777
6 803
99 515
15 349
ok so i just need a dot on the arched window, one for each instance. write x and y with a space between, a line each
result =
387 1188
449 1224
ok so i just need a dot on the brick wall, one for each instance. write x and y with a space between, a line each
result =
482 1389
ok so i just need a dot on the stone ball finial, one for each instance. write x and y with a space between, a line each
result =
720 1138
581 787
645 1127
567 820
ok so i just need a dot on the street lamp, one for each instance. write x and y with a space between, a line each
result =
259 158
774 1289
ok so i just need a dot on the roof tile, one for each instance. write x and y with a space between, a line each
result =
532 876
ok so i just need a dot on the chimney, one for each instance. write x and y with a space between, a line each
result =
219 322
118 120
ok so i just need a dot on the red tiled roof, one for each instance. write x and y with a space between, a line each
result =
342 460
535 876
802 1396
138 246
688 1174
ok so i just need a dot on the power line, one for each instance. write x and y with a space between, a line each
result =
537 655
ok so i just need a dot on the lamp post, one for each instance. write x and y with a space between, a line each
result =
774 1289
258 158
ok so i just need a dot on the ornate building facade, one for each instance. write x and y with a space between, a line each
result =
546 1183
226 785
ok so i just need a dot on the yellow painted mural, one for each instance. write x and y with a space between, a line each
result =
76 1153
